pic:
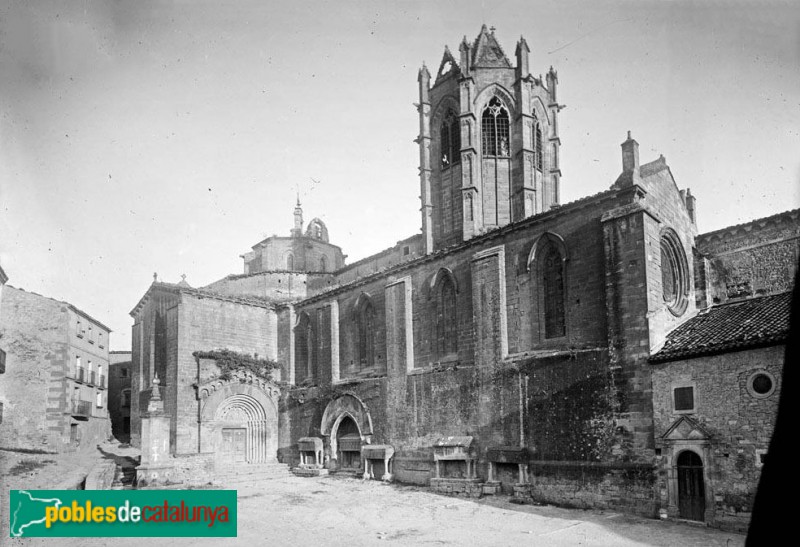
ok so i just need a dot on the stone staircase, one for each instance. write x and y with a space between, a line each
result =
252 473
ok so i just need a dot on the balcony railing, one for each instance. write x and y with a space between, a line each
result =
91 377
81 409
102 383
80 375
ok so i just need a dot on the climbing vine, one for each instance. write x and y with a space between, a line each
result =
230 362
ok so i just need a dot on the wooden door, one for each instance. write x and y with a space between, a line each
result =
234 444
691 487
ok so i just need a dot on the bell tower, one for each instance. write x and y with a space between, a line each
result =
488 141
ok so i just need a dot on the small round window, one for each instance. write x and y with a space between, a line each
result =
761 384
674 273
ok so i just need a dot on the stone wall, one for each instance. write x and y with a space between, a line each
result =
39 385
752 259
739 424
33 330
208 324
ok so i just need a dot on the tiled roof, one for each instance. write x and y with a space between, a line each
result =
728 327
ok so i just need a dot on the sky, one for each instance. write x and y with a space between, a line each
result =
170 137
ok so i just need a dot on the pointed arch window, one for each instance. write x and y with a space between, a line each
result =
290 262
446 332
494 129
365 332
304 345
323 264
450 140
553 285
547 266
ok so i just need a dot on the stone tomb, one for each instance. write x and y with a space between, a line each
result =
454 459
311 462
350 452
380 453
504 457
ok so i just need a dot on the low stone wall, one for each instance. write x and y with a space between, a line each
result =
472 488
191 469
623 487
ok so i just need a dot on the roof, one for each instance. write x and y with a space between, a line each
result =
732 326
178 288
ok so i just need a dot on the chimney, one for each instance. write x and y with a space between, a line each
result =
690 205
630 155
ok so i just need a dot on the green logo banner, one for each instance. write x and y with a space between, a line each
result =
122 513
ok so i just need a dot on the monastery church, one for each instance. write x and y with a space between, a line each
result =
589 354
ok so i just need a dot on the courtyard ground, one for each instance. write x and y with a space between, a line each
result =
352 512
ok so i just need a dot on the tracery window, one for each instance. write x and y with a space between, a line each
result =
450 140
674 273
494 129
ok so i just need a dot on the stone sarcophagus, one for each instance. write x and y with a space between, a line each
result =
504 455
311 461
382 453
454 459
455 449
310 449
350 451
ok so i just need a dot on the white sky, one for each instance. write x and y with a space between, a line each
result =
169 137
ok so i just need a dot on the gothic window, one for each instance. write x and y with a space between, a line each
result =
365 332
304 345
538 156
446 333
553 285
323 264
450 140
494 129
290 262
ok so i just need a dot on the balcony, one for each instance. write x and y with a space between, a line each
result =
102 382
80 375
81 410
91 378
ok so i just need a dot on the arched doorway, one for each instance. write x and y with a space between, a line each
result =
691 486
347 424
348 443
238 420
242 424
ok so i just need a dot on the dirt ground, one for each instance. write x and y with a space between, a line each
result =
347 511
